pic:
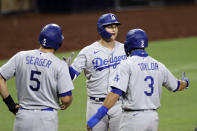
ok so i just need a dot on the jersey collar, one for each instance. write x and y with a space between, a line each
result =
139 52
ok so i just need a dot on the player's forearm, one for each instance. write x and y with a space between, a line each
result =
110 100
3 88
12 106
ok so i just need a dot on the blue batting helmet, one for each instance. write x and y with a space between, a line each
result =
51 36
135 38
104 20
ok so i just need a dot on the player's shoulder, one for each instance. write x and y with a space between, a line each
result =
157 61
23 53
126 62
60 62
89 48
119 43
125 65
53 57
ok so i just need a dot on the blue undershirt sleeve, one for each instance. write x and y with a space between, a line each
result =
69 93
73 73
117 91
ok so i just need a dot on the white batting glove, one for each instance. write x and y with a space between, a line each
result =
69 59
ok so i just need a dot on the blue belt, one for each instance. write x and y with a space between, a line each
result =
45 109
97 99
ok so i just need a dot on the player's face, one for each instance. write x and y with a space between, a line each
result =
113 30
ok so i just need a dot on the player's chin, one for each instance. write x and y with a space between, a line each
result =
113 37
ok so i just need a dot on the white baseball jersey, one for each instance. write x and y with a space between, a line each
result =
141 78
99 64
40 78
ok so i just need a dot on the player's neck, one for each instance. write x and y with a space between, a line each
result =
46 50
108 44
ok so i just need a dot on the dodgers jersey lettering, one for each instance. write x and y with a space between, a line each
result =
45 77
132 77
99 64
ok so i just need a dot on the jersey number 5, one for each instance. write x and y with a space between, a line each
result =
150 85
33 78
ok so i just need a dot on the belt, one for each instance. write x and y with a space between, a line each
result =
45 109
97 99
130 110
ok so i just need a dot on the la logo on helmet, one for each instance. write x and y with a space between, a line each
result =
113 17
142 43
44 41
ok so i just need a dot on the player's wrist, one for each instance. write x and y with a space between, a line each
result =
10 104
101 112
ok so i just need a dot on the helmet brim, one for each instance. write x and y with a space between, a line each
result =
115 23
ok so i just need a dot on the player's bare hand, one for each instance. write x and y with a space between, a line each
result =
16 109
69 59
88 128
62 107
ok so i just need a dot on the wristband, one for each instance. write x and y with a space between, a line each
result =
101 112
187 81
10 104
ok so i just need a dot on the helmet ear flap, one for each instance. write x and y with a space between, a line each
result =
103 32
104 20
126 48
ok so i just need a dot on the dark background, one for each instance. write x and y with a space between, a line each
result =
98 5
161 19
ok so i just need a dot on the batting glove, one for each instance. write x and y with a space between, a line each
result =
185 79
69 59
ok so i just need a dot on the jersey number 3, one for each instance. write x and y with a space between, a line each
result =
33 78
150 85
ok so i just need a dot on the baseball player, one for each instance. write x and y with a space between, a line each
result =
41 80
139 80
99 62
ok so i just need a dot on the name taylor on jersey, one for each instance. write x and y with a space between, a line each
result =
148 66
